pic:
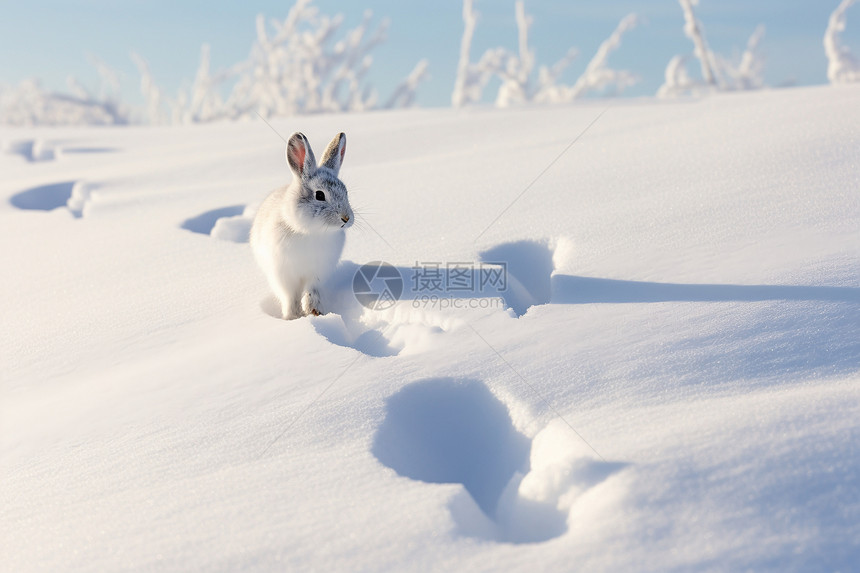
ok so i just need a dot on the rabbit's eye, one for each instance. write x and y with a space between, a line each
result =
320 196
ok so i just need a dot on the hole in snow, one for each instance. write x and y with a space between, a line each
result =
31 150
517 490
227 223
204 222
22 148
452 431
529 268
44 197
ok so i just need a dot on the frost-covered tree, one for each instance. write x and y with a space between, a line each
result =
296 66
152 95
842 66
519 83
303 64
718 73
749 74
473 77
598 75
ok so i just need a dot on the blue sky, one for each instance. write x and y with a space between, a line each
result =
50 39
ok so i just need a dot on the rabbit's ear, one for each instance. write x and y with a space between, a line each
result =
333 156
300 158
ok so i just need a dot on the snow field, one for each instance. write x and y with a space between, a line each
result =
684 294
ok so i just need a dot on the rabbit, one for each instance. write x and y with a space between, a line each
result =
298 232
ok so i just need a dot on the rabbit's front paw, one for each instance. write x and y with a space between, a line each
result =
311 303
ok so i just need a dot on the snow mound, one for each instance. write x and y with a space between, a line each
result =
225 223
79 198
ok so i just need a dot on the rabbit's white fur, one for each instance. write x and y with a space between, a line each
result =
298 232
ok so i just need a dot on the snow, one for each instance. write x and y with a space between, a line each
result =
670 380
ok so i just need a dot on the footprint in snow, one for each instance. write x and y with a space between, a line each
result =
38 150
398 329
528 270
411 324
226 223
73 195
516 490
31 149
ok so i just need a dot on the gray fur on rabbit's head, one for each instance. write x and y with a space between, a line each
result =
322 200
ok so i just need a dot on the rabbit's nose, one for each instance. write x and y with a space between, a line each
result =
344 218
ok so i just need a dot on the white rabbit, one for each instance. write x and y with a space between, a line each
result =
298 232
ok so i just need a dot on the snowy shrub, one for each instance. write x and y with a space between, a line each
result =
300 65
404 94
718 73
295 67
30 104
842 66
516 71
